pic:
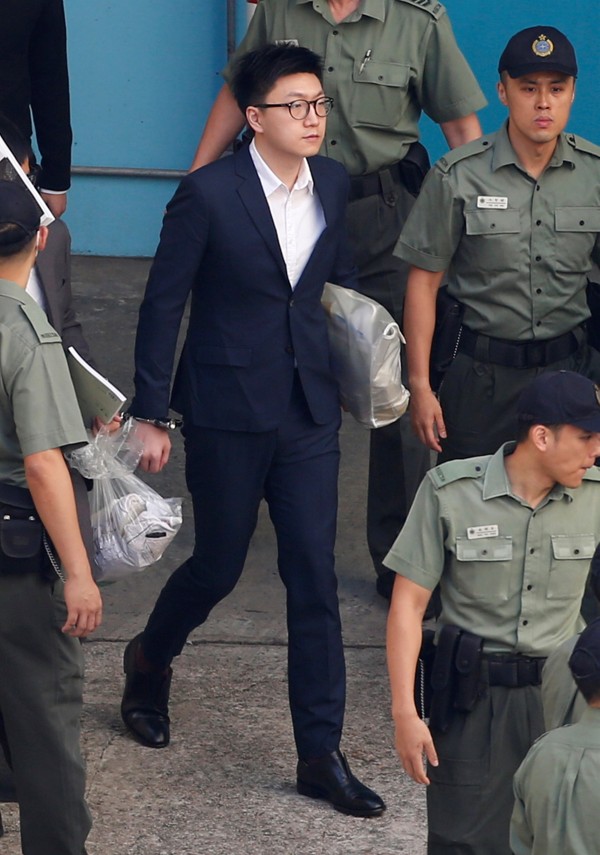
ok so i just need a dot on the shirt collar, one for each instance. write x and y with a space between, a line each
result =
504 154
496 482
270 182
371 8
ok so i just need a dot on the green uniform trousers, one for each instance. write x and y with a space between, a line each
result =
397 461
470 797
40 709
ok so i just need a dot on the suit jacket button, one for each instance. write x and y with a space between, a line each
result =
291 302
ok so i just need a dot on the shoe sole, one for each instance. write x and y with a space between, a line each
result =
317 793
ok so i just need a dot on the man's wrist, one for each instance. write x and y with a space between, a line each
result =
165 423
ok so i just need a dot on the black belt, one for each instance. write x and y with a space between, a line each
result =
372 184
518 354
513 672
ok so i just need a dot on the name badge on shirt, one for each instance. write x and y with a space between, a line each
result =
293 42
494 202
478 531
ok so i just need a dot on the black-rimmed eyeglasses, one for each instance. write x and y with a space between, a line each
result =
300 108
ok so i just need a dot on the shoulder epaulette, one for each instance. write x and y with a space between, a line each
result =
580 144
469 149
45 333
456 470
435 9
592 474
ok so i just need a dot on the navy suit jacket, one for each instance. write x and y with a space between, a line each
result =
247 329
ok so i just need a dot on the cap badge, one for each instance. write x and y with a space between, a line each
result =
542 46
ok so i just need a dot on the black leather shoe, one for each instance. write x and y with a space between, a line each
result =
330 778
145 704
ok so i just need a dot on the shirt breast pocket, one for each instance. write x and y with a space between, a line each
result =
571 554
482 569
493 235
576 230
381 97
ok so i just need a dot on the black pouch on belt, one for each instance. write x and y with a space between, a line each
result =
468 671
413 168
443 678
21 532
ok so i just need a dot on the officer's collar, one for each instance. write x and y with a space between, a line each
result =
370 8
504 154
496 482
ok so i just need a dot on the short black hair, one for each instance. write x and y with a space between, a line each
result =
257 72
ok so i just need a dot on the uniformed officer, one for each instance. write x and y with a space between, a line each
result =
509 538
513 221
41 619
556 786
385 62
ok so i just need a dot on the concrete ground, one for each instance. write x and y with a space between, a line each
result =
226 784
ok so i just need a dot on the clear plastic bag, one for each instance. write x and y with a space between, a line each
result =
132 524
366 348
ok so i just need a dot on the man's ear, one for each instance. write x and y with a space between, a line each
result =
253 119
42 237
540 435
501 89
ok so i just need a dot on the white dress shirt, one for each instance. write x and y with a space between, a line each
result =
297 214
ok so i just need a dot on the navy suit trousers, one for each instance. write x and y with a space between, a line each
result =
295 469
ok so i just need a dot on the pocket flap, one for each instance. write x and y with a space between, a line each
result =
577 219
382 73
493 221
207 354
484 549
573 546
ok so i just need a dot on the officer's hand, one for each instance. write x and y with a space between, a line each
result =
84 605
157 446
413 739
426 418
57 202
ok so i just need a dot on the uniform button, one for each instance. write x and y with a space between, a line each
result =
333 142
582 222
538 222
538 258
492 225
478 469
485 142
538 323
330 68
529 587
576 552
335 32
380 77
531 551
538 290
537 187
525 622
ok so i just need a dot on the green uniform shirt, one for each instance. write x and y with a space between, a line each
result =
38 407
383 65
556 792
507 572
517 250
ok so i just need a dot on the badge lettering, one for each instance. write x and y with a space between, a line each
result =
476 532
494 202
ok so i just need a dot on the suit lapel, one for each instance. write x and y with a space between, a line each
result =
253 198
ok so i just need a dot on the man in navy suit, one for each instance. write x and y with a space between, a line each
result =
254 237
